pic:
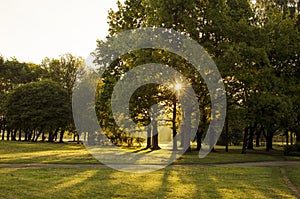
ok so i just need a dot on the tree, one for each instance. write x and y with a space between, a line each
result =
12 75
64 71
256 48
38 107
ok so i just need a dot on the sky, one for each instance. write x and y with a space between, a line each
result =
31 30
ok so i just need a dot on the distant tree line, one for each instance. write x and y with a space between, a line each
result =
255 46
36 99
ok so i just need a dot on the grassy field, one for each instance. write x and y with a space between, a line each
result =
179 182
69 153
172 182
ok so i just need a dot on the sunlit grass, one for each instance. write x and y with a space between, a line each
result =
175 182
171 182
70 153
28 152
293 173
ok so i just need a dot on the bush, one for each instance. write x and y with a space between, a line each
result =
292 150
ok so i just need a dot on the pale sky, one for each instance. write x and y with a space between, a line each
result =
31 30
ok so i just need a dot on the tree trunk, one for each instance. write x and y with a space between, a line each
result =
30 135
26 135
43 136
13 135
8 134
78 139
148 137
292 139
3 133
244 149
38 135
175 148
226 134
55 135
155 136
52 134
269 140
251 138
199 138
61 136
287 137
269 143
33 135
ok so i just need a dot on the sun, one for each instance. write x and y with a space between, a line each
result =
178 86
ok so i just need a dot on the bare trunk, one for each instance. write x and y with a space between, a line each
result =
199 138
8 134
61 136
148 137
287 137
155 136
226 134
251 138
244 149
13 135
175 148
3 133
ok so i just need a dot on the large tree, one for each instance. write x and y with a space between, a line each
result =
37 108
64 71
13 74
256 48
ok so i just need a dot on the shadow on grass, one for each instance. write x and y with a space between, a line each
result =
179 182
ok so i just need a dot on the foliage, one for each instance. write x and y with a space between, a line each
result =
38 106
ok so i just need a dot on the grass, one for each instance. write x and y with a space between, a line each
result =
71 153
293 173
172 182
28 152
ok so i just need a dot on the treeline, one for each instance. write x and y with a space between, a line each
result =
35 100
255 46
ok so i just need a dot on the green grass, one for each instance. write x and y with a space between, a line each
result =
28 152
293 173
70 153
172 182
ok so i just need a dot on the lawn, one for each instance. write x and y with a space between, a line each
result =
179 181
172 182
71 153
293 173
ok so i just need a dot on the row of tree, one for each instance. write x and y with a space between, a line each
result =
36 99
256 47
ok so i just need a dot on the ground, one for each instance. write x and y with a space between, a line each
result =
44 170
